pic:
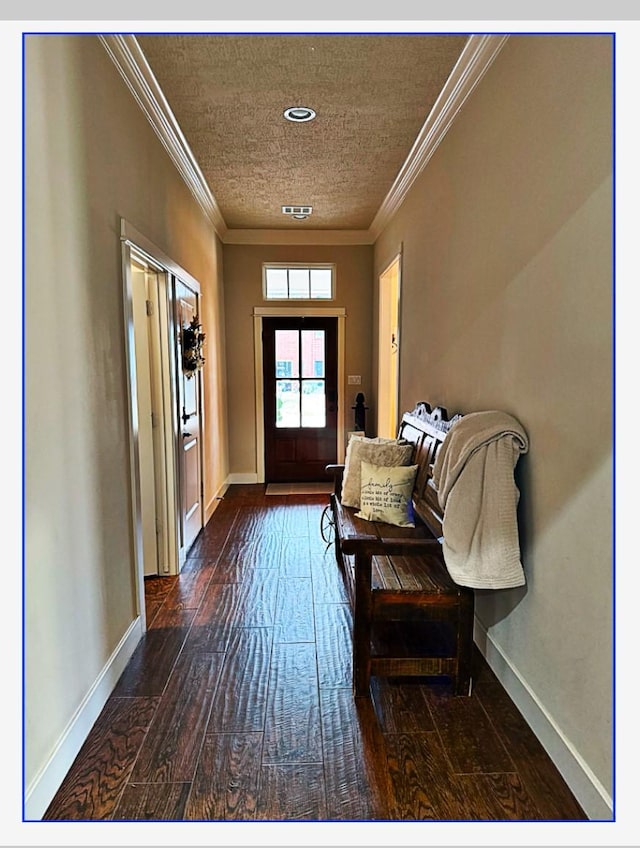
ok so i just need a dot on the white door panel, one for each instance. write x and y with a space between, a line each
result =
189 420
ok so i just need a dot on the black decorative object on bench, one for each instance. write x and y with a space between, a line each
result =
410 617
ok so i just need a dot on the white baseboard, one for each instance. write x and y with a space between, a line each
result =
214 503
46 783
587 789
242 478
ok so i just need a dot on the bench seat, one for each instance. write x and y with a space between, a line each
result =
410 617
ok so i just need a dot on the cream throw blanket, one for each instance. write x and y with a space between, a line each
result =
473 474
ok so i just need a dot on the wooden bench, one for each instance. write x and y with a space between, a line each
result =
409 617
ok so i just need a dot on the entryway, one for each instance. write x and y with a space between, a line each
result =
300 380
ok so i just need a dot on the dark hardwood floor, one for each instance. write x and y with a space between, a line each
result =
237 703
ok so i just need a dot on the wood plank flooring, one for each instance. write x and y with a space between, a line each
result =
237 703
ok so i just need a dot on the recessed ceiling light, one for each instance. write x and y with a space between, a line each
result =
299 114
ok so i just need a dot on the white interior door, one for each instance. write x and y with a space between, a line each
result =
189 427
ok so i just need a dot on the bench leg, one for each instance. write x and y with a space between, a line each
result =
336 540
464 647
362 626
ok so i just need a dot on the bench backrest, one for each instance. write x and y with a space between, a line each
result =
426 429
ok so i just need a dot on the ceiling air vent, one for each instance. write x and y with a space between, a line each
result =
296 211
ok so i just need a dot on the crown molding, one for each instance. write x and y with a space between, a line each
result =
289 236
474 61
128 58
476 58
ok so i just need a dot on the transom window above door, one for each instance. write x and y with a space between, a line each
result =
298 282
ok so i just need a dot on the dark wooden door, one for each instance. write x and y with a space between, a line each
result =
300 372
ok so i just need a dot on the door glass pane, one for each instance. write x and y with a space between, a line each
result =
287 403
312 353
299 282
287 353
190 396
313 403
321 283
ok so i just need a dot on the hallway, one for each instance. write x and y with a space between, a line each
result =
237 703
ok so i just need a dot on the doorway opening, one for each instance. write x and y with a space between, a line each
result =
148 295
166 466
388 349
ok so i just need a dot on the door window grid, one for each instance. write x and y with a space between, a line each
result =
300 401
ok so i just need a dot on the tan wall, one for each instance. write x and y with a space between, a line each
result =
243 291
507 290
91 157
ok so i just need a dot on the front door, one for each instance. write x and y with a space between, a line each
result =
189 443
300 373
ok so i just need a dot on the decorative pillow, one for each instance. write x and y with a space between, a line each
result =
376 451
385 494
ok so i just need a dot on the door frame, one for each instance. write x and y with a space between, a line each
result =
134 245
260 312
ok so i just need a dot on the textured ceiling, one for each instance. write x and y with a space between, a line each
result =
372 95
